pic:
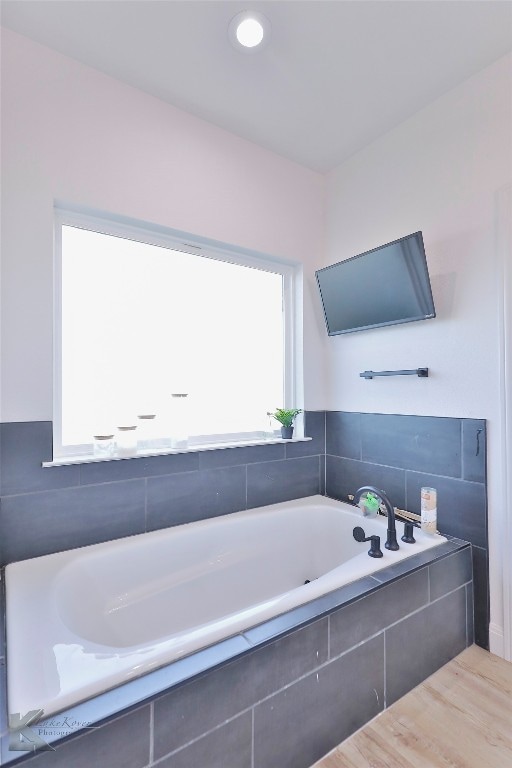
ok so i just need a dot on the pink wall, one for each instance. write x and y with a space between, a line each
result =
72 134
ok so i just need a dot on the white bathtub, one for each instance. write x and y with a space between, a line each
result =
83 621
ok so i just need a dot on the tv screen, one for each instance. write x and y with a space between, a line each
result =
384 286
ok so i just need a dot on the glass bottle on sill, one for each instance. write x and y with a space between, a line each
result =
127 440
146 433
103 446
179 420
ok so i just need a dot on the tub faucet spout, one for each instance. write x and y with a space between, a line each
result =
391 542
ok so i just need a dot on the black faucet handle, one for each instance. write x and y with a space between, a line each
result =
408 536
375 550
359 535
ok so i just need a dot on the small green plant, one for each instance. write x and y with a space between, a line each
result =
285 416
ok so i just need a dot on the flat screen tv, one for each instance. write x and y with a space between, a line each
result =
384 286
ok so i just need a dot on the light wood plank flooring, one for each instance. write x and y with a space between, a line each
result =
460 717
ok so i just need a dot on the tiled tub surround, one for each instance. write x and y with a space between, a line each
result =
45 510
49 510
401 454
285 692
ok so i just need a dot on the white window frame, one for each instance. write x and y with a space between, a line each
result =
151 234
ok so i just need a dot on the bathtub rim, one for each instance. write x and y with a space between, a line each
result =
121 699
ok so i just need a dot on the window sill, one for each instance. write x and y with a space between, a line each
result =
89 459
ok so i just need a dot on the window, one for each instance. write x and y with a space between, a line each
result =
142 316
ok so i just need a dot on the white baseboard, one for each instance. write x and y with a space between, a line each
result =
497 641
501 637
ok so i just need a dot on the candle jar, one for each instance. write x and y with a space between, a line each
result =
179 421
103 446
127 440
146 434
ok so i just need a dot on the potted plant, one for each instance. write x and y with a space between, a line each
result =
285 416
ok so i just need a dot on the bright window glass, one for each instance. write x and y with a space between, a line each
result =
139 322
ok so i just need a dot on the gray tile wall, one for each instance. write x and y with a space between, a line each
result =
45 510
400 455
289 702
3 671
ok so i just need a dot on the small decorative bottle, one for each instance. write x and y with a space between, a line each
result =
369 505
429 510
127 440
179 426
146 435
103 447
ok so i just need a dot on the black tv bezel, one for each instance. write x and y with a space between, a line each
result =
430 316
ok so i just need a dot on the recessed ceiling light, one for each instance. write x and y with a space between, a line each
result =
249 31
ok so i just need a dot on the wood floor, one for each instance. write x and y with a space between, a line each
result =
461 717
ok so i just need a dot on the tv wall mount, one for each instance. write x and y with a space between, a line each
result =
422 373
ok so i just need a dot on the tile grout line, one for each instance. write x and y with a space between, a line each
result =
252 737
203 735
146 504
136 478
325 433
466 612
385 673
151 732
407 469
461 437
65 488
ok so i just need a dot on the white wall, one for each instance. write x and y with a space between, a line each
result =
439 172
72 134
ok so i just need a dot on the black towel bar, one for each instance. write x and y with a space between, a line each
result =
421 372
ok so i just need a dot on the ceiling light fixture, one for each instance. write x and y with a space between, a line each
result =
249 31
